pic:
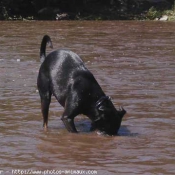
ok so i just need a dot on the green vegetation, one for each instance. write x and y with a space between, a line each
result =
86 9
154 14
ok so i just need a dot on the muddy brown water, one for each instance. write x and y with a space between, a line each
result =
134 62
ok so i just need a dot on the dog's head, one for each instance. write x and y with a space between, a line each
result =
108 119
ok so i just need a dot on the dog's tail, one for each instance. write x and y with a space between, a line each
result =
46 41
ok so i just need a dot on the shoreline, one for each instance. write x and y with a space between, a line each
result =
163 10
150 15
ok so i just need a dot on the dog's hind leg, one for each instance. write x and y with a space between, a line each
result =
45 95
45 103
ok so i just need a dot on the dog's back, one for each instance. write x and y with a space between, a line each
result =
65 69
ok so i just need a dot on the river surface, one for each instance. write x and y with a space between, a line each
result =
134 62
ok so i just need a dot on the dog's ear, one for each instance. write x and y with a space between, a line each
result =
121 111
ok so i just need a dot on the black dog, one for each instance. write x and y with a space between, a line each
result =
63 74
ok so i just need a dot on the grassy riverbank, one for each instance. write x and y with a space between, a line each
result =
89 10
166 15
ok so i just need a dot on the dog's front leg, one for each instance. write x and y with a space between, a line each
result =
69 123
